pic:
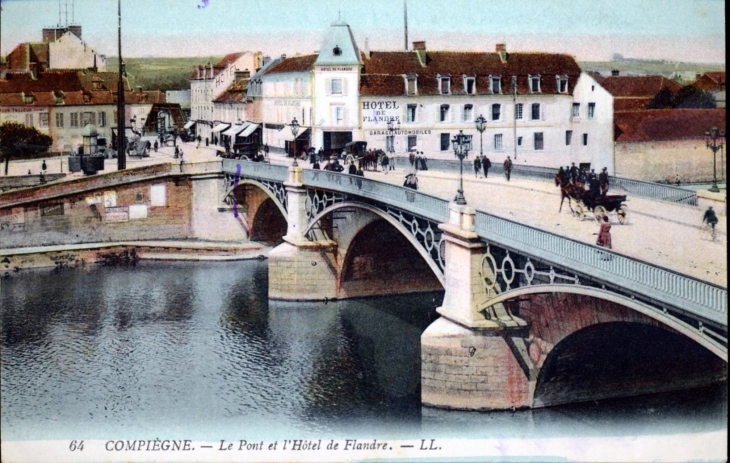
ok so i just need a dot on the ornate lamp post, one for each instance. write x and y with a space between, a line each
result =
481 125
714 139
295 130
460 151
391 129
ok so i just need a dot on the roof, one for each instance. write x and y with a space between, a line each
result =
67 81
235 93
711 81
300 63
221 65
339 47
382 73
627 104
665 124
634 86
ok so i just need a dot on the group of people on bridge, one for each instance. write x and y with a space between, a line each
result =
597 184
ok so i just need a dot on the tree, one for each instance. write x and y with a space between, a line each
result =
692 97
662 100
21 141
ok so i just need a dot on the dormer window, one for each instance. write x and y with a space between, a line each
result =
411 84
534 84
27 98
337 51
444 84
87 97
495 84
469 85
561 84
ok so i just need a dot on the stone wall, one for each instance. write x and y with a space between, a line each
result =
301 273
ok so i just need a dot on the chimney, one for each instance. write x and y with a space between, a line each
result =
501 50
283 56
615 73
139 88
238 75
366 48
420 49
197 72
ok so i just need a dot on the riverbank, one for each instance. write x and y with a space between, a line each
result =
75 255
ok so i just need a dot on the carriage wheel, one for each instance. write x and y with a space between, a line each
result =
580 211
623 214
599 212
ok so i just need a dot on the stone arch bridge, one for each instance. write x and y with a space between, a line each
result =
529 318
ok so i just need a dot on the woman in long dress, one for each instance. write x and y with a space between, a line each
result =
604 234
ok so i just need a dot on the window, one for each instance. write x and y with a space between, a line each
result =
412 141
576 110
535 115
102 119
591 110
496 112
336 87
498 142
469 86
29 120
518 112
495 84
466 140
338 114
88 118
74 119
390 143
445 142
562 84
519 141
411 113
468 113
535 84
59 119
44 120
568 137
538 141
585 139
444 113
444 85
411 87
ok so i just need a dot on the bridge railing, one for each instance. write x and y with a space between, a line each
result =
262 170
651 190
665 287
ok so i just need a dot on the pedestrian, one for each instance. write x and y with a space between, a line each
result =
604 234
603 181
573 173
352 169
207 142
43 166
385 161
176 152
507 168
486 165
316 165
411 157
710 218
337 167
29 172
411 180
477 166
359 174
423 162
328 166
155 146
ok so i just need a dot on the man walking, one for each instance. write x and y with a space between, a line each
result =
486 165
603 181
477 166
507 168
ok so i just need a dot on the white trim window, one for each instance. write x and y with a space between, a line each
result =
534 83
444 84
102 119
539 141
339 114
535 112
411 112
468 113
74 119
495 84
496 112
43 120
591 110
336 86
59 120
444 115
411 84
498 142
561 84
29 120
568 137
576 110
518 111
470 85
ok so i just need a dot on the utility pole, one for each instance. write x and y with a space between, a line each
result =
405 21
121 135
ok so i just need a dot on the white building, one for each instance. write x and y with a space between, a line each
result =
540 108
70 52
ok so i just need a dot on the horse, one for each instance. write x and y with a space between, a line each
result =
568 190
368 160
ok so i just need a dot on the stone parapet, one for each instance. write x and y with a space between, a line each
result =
302 272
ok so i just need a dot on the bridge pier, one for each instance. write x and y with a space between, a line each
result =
300 269
472 359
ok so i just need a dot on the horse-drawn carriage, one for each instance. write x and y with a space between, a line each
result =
591 201
255 152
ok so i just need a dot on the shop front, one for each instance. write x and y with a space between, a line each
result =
335 142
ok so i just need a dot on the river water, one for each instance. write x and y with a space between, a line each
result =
196 351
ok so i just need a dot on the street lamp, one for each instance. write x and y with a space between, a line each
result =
460 151
295 130
391 129
481 125
714 139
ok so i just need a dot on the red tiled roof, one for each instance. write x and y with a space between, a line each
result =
220 66
647 86
235 93
711 81
382 72
627 104
300 63
68 81
665 124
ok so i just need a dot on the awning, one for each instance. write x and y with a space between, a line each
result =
236 129
189 124
219 127
288 136
249 130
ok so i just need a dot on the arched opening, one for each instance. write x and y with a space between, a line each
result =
620 359
269 226
382 260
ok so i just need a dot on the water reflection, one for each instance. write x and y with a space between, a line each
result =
197 351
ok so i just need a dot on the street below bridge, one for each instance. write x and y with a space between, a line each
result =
658 232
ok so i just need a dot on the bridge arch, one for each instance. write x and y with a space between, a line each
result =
259 211
247 181
405 232
646 310
623 359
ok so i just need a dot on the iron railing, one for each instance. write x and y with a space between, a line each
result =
665 287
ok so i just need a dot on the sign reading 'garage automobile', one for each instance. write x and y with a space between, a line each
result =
380 112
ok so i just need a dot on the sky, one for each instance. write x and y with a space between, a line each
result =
680 30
